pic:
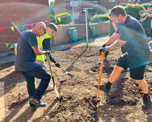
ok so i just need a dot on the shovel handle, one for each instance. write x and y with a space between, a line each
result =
15 50
102 58
49 64
62 69
54 86
119 53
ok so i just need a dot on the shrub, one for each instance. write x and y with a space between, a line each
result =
53 19
65 18
146 5
100 18
134 9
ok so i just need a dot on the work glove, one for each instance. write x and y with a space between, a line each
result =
47 53
106 53
57 65
102 49
104 45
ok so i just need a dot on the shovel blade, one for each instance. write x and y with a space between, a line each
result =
55 89
97 93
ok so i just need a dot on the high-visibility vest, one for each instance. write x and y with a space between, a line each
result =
40 44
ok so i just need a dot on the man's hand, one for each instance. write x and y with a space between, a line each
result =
47 53
102 49
104 45
57 65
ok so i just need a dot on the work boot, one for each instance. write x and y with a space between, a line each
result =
103 88
37 102
146 102
33 107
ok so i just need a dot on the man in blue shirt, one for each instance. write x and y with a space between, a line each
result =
27 50
131 35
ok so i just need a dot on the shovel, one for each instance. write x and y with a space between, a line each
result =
119 54
67 73
54 86
102 58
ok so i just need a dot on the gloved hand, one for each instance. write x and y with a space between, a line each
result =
57 65
106 53
47 53
102 49
104 45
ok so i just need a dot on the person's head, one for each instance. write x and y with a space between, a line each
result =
149 9
39 29
51 29
118 14
140 13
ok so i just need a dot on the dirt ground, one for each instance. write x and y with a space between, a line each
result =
78 103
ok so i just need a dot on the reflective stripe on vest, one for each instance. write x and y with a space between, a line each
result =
40 44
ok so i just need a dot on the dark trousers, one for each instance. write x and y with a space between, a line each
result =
38 72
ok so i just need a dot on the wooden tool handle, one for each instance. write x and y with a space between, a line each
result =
49 64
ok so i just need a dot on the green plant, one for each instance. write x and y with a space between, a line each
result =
100 18
53 19
145 5
134 9
64 17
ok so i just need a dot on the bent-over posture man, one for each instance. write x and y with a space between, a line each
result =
27 50
113 29
131 35
44 44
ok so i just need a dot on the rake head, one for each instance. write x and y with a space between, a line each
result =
69 74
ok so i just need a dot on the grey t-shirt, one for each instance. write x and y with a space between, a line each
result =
133 32
25 58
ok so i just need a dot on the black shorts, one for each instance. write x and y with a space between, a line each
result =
136 64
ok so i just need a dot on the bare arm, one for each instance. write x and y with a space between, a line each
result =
144 14
37 51
114 26
112 39
116 45
143 19
149 15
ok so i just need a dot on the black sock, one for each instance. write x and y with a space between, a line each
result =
108 85
146 95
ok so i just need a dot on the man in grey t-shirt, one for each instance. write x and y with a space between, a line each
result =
27 50
131 35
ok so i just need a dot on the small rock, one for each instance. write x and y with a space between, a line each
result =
109 109
105 115
47 117
137 121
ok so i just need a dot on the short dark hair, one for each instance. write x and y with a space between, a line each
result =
53 26
116 11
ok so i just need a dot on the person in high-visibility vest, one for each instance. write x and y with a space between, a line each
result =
44 43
